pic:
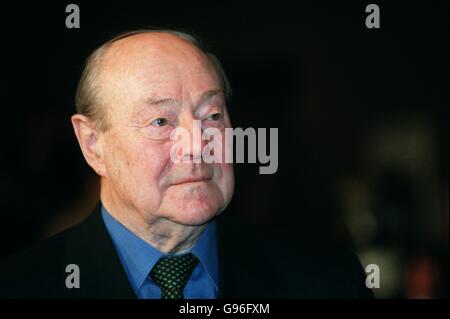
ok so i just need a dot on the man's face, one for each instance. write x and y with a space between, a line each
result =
152 84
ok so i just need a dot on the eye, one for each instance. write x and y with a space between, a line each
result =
159 122
214 117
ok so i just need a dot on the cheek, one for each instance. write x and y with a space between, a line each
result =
149 164
138 167
224 178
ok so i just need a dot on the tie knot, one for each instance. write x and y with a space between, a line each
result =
172 273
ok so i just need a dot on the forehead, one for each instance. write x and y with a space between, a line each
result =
160 64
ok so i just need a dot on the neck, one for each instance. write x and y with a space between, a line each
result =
163 234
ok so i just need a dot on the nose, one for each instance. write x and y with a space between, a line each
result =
192 153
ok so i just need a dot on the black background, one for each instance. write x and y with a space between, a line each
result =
312 70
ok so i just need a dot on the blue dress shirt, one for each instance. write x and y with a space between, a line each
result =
139 257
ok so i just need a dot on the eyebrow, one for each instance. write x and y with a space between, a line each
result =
157 100
209 94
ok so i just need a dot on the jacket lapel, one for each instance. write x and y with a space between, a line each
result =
101 272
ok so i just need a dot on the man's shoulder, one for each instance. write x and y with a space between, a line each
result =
38 267
267 256
84 251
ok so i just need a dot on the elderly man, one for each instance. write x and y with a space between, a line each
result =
156 231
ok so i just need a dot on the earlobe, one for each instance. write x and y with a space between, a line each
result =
88 139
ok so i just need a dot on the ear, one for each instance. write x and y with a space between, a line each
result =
90 143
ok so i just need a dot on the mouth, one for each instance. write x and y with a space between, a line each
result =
193 179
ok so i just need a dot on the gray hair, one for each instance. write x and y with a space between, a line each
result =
87 97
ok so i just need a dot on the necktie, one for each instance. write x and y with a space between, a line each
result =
172 273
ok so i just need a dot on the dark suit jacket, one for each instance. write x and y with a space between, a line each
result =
252 265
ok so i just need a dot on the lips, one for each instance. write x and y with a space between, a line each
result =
193 179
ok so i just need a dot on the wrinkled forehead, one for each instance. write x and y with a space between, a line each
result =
150 64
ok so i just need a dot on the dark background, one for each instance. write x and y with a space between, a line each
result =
362 117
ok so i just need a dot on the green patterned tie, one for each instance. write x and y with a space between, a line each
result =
172 273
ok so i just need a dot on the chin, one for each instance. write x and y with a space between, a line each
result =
197 214
193 204
194 213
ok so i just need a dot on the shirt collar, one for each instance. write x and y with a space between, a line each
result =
139 257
